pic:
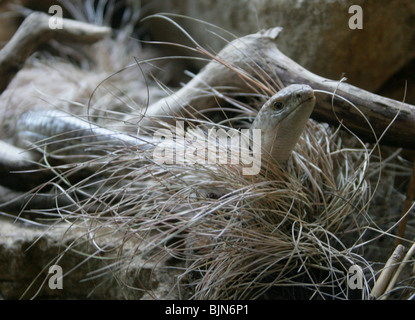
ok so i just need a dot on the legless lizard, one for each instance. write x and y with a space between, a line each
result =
281 121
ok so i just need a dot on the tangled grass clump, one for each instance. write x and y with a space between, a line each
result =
287 232
288 229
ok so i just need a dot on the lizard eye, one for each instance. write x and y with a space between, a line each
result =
278 105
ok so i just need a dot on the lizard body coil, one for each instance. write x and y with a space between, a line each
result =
281 121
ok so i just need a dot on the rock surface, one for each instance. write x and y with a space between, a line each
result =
316 33
26 252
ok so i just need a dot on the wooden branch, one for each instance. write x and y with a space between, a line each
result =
257 56
35 31
387 272
398 271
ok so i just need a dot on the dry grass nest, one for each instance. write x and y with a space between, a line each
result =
288 232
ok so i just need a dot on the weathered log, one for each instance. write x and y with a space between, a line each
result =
257 56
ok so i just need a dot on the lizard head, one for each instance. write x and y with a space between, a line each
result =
282 120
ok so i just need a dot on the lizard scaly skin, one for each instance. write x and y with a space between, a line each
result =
282 119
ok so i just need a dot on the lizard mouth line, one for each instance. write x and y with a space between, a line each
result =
294 109
299 106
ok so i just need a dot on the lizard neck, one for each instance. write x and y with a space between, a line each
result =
281 130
